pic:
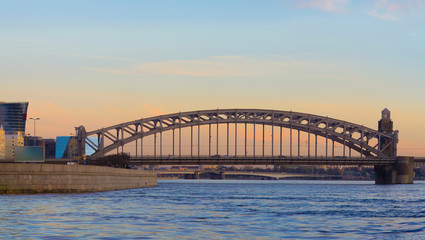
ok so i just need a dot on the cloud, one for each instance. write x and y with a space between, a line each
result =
154 111
54 119
391 10
219 66
103 57
335 6
404 6
383 16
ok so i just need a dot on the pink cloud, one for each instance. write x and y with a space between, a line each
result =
218 66
154 111
54 119
391 9
399 6
382 15
336 6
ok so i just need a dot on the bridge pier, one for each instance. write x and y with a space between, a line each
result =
400 173
405 171
385 174
196 175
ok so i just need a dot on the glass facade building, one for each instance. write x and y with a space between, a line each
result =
13 117
66 147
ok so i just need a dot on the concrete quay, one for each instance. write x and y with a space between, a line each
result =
16 178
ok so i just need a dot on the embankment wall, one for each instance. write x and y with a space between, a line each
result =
50 178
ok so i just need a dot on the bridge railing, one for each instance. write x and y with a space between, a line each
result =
238 160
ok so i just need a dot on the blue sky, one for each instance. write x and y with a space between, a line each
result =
95 62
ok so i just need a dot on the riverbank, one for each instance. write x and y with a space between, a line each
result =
16 178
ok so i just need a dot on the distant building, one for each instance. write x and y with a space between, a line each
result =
13 117
48 144
50 148
33 141
11 142
66 147
2 143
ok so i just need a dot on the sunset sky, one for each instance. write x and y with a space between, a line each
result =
99 63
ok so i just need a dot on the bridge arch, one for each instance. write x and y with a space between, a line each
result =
350 135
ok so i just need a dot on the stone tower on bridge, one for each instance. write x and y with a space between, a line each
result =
385 125
402 171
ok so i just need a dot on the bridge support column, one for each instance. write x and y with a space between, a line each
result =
405 171
400 173
385 174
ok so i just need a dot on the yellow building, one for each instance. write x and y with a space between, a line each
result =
2 143
11 142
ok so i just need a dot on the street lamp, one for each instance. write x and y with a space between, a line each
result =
35 140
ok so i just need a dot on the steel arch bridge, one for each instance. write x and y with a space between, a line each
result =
369 143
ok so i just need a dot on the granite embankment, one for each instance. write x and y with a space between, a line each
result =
49 178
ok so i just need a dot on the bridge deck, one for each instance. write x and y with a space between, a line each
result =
261 161
272 175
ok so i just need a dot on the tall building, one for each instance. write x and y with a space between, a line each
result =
2 143
11 142
13 117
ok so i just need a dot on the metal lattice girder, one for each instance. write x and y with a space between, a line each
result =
333 129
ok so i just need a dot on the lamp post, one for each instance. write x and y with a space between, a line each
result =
35 140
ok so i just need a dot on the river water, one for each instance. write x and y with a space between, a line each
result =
222 209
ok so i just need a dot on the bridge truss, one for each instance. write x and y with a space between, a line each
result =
367 142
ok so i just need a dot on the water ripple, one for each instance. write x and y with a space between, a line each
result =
201 209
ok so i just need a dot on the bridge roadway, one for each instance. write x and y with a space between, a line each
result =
232 160
270 175
149 160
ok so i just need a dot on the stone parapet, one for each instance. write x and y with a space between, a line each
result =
50 178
